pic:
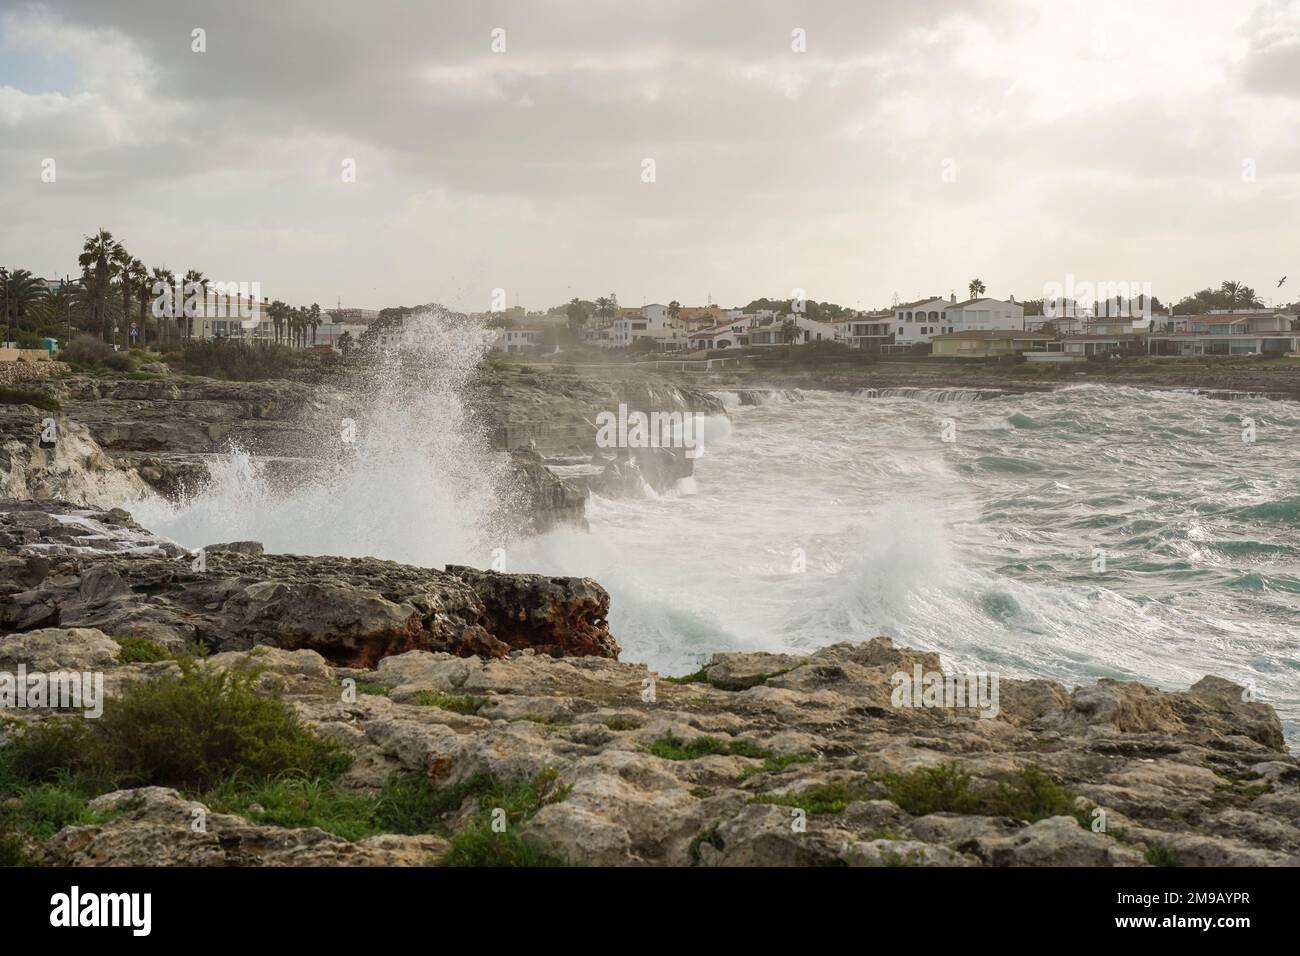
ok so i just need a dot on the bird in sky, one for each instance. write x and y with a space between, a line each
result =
1280 281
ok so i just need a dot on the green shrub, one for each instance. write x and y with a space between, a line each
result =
822 798
672 747
119 362
223 358
189 732
698 677
86 350
463 704
619 722
1162 854
140 650
946 789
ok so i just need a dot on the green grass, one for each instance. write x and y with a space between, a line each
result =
619 722
820 799
139 650
911 858
946 788
373 689
698 677
672 747
296 802
35 812
480 843
408 803
1162 854
463 704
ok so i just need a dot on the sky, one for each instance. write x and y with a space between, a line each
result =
856 151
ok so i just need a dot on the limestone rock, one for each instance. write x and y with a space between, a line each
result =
59 649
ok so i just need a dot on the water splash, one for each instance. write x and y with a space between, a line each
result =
399 470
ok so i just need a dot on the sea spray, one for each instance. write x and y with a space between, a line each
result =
396 467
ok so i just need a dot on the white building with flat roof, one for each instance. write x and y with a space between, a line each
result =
985 315
917 322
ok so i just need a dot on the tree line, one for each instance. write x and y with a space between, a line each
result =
114 288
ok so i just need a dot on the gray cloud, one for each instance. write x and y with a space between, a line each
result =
522 169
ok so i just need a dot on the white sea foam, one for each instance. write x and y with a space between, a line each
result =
417 483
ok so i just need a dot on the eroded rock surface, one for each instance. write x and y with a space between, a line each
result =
78 568
1206 782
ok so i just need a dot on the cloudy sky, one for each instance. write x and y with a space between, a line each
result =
912 147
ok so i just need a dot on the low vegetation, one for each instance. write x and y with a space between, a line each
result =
619 722
672 747
494 839
90 353
225 739
821 799
1162 854
188 732
139 650
1030 797
462 704
28 396
237 361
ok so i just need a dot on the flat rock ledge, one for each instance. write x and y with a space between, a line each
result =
798 767
63 566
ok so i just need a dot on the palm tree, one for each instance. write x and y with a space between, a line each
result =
194 279
577 314
976 288
23 294
674 310
1238 293
126 282
56 307
315 320
607 306
99 253
276 310
139 276
168 278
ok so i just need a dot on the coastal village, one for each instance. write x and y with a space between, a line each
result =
116 300
976 328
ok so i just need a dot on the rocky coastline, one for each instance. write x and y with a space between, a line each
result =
469 685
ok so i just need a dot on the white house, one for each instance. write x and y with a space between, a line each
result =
916 322
984 315
807 331
518 340
870 330
651 322
726 335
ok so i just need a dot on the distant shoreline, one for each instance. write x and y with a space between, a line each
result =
1274 379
